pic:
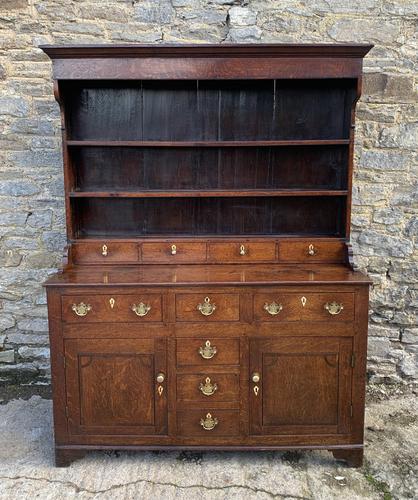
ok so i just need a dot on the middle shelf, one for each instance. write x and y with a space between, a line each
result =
205 194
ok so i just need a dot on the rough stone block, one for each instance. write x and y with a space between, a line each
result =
33 353
7 356
241 16
33 325
248 34
364 29
13 106
382 160
410 336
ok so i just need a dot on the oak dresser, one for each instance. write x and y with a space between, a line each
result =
208 298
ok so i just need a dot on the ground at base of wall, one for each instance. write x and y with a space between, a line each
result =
390 470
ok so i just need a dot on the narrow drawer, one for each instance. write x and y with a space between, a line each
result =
311 251
224 422
111 308
102 252
207 387
304 306
172 252
207 351
210 307
242 252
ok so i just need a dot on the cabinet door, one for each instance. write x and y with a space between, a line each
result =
112 386
304 385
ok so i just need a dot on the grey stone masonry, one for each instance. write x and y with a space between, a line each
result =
385 192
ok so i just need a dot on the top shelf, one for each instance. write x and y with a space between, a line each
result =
208 144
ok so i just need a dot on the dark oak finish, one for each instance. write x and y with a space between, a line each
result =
208 299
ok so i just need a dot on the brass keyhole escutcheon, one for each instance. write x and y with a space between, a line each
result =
207 308
304 300
112 303
207 388
160 390
207 351
242 250
104 250
173 249
81 309
256 390
274 308
311 250
208 423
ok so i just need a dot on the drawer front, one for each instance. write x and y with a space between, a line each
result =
207 352
304 306
311 251
210 307
208 423
207 387
172 252
103 252
242 252
111 308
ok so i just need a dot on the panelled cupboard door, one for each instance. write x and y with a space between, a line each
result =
116 387
304 386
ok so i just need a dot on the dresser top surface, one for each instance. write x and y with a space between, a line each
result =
212 274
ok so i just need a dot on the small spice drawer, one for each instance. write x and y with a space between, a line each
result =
208 423
311 251
173 252
207 352
102 252
242 252
111 308
210 307
207 387
280 306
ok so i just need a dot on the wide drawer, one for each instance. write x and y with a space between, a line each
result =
208 423
110 308
207 387
242 252
210 307
207 352
311 251
330 306
102 252
172 252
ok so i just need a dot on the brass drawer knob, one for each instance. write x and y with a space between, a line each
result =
242 250
81 309
311 250
104 250
208 423
173 249
207 308
255 377
160 378
333 308
207 351
274 308
208 388
141 309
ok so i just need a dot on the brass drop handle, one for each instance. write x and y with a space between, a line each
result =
160 378
274 308
242 250
311 250
208 423
81 309
207 351
207 388
333 308
104 250
173 249
141 309
255 377
207 308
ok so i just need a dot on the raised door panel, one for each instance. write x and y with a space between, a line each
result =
112 386
304 386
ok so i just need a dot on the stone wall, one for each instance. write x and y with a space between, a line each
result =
385 222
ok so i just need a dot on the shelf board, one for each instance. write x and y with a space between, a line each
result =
209 144
215 193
